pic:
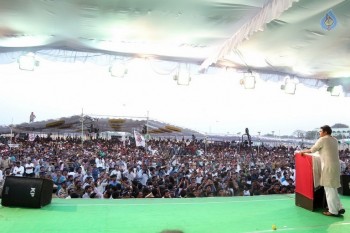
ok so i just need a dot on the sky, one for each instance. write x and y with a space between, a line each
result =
211 103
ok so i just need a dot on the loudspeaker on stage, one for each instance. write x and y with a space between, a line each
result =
26 192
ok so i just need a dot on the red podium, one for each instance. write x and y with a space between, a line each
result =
306 194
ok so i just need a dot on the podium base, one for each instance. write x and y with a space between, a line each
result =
318 202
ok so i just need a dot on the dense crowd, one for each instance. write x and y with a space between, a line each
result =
165 168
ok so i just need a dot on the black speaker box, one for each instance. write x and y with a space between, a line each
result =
345 185
26 192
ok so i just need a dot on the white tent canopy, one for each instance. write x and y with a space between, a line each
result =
93 125
305 39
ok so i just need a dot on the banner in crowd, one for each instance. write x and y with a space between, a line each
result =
139 139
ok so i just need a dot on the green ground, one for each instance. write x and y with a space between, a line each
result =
192 215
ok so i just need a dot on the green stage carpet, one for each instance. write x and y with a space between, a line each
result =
189 215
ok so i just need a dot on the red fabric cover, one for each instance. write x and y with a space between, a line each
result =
304 181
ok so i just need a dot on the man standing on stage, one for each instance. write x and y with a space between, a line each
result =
327 146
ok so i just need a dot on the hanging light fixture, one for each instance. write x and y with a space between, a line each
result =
335 90
183 76
118 70
289 86
248 80
27 62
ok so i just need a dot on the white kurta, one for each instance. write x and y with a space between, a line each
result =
327 147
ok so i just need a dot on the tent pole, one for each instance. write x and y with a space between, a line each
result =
82 128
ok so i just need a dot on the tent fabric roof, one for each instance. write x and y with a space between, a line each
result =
74 124
271 36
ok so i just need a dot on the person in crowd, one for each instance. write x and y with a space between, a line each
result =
18 170
166 194
78 189
5 162
1 176
58 179
90 192
29 169
63 191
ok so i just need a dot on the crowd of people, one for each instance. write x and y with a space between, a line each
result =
165 168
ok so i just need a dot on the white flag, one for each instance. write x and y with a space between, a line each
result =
139 139
31 137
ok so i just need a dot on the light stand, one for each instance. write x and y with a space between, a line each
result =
249 139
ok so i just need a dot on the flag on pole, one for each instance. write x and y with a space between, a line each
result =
139 139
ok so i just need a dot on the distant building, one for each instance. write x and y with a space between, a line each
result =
341 131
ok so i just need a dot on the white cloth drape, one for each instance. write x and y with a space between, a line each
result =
270 11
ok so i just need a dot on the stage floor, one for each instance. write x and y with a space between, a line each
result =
189 215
